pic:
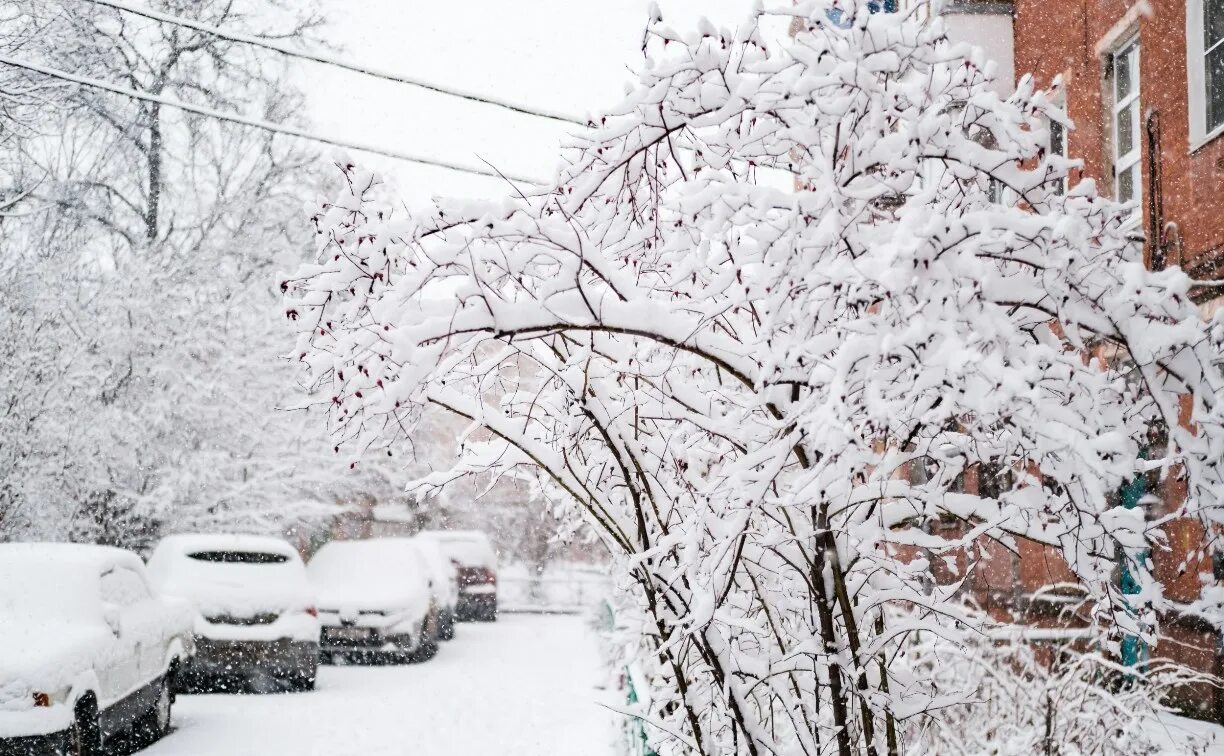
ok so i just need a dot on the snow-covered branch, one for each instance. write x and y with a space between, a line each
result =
763 397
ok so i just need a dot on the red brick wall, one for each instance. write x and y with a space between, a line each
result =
1196 648
1071 37
1061 37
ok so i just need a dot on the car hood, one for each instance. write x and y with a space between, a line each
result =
49 658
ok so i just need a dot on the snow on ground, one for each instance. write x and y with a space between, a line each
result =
523 686
1181 730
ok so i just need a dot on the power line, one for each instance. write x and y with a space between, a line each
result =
339 63
275 128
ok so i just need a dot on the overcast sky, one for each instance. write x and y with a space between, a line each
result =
570 55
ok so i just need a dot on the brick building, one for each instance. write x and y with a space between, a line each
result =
1143 82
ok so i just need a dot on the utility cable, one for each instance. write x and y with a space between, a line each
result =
337 62
275 128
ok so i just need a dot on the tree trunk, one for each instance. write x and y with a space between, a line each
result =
155 177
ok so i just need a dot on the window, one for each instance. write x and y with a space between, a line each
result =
123 587
1124 67
1058 146
994 191
994 480
843 20
1205 66
238 557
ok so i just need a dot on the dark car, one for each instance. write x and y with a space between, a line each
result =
476 561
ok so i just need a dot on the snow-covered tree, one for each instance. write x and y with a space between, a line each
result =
142 377
763 291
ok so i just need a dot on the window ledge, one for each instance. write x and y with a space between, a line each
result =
1199 142
1003 8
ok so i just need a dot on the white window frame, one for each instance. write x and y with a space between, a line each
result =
1129 105
1196 70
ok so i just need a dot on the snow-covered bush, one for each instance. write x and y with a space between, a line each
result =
1079 701
763 290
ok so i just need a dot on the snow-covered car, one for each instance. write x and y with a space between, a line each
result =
254 608
444 580
87 648
473 555
375 601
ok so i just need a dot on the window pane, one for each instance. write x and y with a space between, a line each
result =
1058 139
1126 132
1215 86
1213 22
1126 184
239 557
994 193
1122 73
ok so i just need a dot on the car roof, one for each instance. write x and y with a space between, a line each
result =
456 535
389 544
183 543
392 550
81 555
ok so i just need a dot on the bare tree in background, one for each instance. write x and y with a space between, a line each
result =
139 245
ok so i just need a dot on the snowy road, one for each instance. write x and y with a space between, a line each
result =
523 686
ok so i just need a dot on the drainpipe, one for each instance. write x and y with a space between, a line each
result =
1155 193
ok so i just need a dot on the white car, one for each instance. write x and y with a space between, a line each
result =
375 601
444 579
473 553
87 649
255 617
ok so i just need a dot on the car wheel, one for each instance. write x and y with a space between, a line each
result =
160 715
155 722
305 679
325 657
84 738
423 652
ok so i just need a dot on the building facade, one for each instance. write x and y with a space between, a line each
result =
1143 83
